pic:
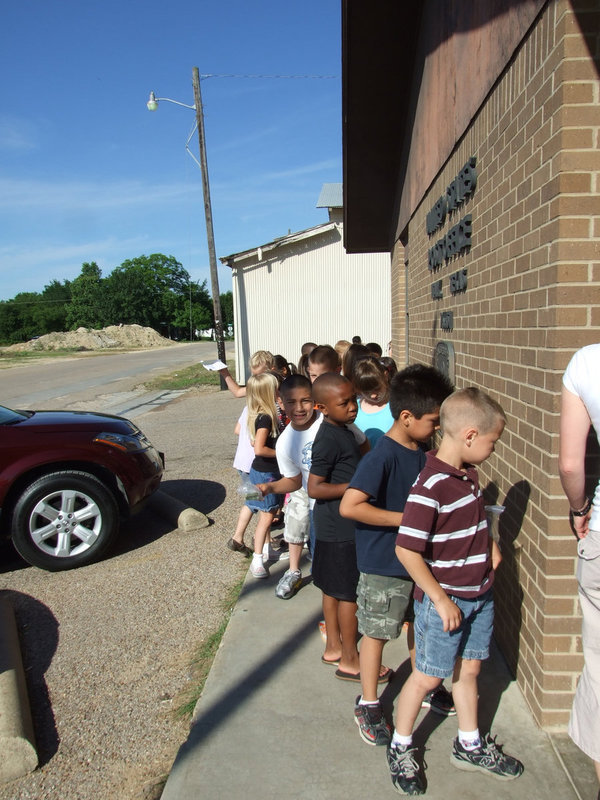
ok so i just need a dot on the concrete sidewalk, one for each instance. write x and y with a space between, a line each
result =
274 722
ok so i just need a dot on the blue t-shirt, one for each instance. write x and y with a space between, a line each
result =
386 474
374 425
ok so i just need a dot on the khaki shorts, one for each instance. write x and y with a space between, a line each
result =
297 518
384 603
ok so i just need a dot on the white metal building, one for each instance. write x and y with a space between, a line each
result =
305 287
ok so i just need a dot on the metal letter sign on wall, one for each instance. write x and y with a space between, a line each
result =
457 239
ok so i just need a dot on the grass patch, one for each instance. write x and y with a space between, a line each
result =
187 377
204 656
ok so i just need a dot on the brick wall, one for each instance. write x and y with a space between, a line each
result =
533 298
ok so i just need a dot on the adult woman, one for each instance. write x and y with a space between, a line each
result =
580 409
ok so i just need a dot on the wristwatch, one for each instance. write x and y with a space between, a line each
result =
584 511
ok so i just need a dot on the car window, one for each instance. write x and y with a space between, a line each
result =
9 417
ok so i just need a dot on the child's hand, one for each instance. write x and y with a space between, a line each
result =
264 488
449 612
496 555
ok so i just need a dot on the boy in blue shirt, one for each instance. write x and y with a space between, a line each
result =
375 499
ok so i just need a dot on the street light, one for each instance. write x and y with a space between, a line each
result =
152 105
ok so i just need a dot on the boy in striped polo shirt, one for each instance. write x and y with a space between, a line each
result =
445 546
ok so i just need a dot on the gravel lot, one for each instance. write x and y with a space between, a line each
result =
107 648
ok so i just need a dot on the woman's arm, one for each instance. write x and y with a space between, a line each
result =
574 428
235 389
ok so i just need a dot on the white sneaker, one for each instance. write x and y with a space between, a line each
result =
257 570
271 554
289 584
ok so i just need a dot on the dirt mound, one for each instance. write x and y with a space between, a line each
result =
114 336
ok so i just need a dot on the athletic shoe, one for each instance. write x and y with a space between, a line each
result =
289 584
238 547
372 725
404 770
271 554
486 758
440 701
257 570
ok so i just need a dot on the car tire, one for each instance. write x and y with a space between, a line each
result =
63 520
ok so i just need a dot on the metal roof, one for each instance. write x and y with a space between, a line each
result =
332 196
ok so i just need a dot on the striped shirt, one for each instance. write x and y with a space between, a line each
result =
444 520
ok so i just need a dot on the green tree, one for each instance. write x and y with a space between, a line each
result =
227 309
87 299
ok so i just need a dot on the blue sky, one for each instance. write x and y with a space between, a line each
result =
87 173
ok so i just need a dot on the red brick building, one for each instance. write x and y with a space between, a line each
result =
471 154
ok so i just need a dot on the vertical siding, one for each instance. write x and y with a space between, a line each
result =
310 291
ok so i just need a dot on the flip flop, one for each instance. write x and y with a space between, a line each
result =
330 663
355 676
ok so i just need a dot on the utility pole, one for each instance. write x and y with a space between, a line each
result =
210 236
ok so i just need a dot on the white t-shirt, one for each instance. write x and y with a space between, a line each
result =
294 450
582 378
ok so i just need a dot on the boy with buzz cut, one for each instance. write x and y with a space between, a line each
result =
446 548
375 500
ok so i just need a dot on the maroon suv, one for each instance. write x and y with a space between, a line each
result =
66 478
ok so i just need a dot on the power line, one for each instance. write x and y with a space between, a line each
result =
286 77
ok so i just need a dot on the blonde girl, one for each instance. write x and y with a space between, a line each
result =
263 431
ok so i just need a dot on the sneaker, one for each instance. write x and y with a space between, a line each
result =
257 570
440 701
271 554
404 770
372 725
238 547
487 758
289 584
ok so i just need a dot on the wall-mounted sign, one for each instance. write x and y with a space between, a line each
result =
436 290
456 241
458 281
461 188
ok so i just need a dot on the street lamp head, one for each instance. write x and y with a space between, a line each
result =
152 103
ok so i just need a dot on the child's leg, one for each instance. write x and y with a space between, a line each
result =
333 645
464 692
417 685
370 655
265 518
243 520
295 551
348 628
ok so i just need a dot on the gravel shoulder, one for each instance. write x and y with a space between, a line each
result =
107 648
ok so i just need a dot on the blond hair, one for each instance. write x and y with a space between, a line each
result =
470 406
260 399
261 358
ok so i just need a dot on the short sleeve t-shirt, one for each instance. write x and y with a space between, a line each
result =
335 456
374 425
386 474
265 463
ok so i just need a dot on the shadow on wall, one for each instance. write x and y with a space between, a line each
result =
508 595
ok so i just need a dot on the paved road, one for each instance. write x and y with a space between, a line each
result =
109 383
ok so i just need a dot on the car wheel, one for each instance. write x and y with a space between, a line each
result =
63 520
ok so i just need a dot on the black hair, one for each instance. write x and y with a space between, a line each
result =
418 389
374 348
295 381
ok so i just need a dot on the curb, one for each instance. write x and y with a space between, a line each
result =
17 739
178 513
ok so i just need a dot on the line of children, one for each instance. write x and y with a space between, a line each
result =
375 499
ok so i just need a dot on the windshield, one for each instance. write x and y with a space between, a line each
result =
9 417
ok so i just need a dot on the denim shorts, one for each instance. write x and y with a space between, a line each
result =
271 501
384 604
437 650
